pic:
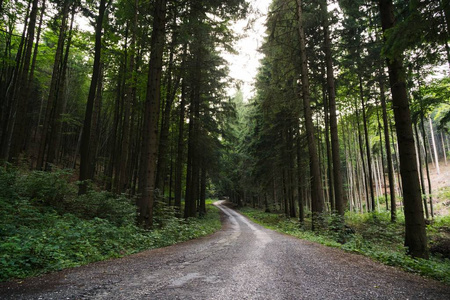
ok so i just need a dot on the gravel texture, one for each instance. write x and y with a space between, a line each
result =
242 261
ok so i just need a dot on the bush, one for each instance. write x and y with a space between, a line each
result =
117 209
45 188
45 226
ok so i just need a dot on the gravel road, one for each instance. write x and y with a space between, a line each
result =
242 261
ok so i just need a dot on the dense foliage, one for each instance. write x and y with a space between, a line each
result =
45 226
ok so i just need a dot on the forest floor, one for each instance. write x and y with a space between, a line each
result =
241 261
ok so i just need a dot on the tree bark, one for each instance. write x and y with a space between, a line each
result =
317 203
369 156
387 144
202 206
85 147
422 181
361 152
443 147
180 150
427 167
433 141
172 87
382 177
20 134
149 152
52 97
130 87
55 137
8 93
300 174
337 176
415 235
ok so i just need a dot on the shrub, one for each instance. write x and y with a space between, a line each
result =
117 209
45 188
45 226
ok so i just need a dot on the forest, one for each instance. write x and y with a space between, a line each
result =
116 120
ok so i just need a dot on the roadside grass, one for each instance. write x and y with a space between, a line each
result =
371 235
45 226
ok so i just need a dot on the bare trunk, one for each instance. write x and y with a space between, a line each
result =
202 206
317 203
422 181
149 152
60 102
52 97
433 141
20 134
415 235
443 148
179 160
301 205
130 88
85 148
9 106
171 91
337 176
383 177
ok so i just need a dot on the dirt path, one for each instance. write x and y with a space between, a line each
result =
242 261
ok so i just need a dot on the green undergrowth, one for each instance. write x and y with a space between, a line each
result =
371 235
45 226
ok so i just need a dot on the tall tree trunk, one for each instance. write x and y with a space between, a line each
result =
202 206
317 203
149 152
19 132
130 87
433 141
95 123
443 147
193 171
422 181
291 170
55 137
119 120
427 167
85 147
396 159
361 153
172 87
180 148
328 154
114 141
9 95
52 97
369 156
415 235
190 208
337 176
33 64
301 201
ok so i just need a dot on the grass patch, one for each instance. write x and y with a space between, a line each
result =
45 226
371 235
